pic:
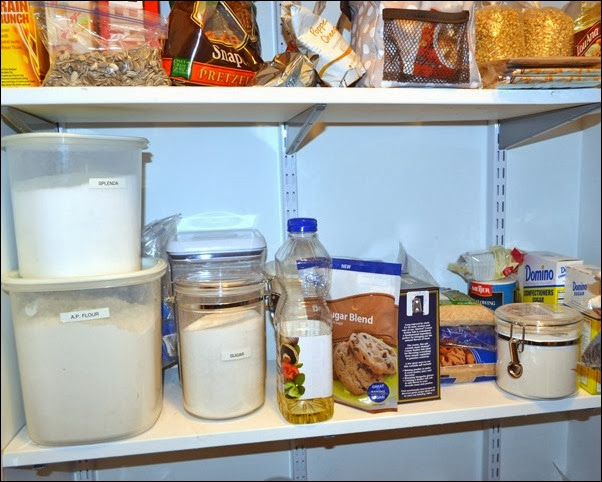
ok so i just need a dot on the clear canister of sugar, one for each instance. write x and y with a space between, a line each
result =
222 347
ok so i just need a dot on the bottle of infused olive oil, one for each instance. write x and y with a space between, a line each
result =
304 326
587 30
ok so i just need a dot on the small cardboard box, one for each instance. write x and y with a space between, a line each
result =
418 340
24 57
589 378
580 287
541 277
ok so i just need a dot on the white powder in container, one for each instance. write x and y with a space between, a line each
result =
77 225
222 361
537 349
88 381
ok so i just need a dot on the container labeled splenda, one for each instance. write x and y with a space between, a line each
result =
89 353
221 334
537 349
76 203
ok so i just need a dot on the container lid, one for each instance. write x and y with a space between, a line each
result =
540 315
217 244
152 269
50 139
302 225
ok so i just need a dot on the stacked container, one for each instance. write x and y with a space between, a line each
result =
219 287
85 305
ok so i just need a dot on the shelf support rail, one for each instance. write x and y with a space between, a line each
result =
298 461
496 198
492 454
518 129
22 122
292 135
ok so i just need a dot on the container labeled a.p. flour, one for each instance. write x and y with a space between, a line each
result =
537 349
89 353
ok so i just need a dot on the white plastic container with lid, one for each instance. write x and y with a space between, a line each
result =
76 203
537 349
216 250
89 353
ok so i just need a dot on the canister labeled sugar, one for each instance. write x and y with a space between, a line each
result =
222 356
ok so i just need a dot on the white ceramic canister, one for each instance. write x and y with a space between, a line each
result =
537 349
221 336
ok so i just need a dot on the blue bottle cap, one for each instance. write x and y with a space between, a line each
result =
302 225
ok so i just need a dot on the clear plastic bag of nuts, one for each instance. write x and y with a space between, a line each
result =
93 44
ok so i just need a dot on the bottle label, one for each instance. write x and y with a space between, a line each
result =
587 41
305 366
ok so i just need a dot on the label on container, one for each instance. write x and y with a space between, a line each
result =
231 355
107 182
587 41
492 294
305 366
85 315
551 295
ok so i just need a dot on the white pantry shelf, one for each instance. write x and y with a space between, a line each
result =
269 105
176 430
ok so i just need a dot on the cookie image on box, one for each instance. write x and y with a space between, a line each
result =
375 354
361 361
355 376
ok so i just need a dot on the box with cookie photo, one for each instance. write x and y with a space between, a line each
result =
467 339
363 301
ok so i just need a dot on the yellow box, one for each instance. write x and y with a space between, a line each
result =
589 378
541 277
24 58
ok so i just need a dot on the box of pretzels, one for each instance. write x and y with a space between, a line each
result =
418 340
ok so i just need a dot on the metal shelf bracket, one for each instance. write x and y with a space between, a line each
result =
299 126
518 129
22 122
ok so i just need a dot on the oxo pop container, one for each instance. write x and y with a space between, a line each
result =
216 251
537 349
89 353
76 203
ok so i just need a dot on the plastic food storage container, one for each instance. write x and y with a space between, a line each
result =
537 349
76 203
217 251
89 353
221 334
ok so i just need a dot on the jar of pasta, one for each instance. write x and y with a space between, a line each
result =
499 32
548 32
